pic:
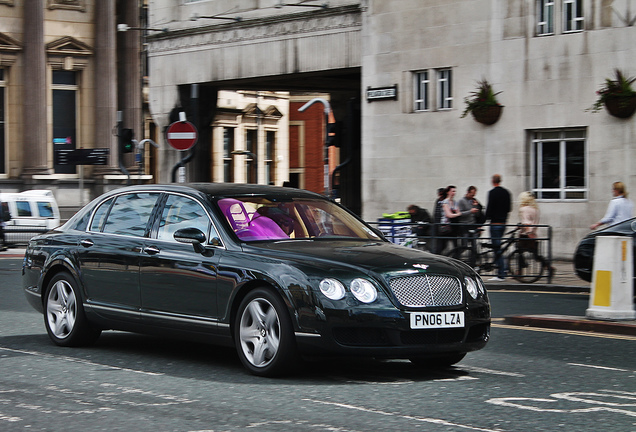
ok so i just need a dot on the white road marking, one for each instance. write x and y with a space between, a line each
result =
404 416
75 360
599 367
490 371
610 401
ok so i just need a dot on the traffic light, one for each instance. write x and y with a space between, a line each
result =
334 132
126 141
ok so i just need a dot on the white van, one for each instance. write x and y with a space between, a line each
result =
36 209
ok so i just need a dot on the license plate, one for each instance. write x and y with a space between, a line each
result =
429 320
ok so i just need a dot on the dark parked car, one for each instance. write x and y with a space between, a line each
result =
584 255
279 273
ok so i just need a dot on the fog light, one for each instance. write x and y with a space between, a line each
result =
364 290
332 289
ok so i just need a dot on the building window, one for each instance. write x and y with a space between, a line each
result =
545 17
228 161
250 146
64 88
559 164
421 91
2 123
444 89
270 148
572 15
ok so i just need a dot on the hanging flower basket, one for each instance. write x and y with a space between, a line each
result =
621 107
616 96
483 104
487 114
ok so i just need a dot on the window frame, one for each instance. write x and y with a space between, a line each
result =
229 140
421 94
545 17
574 8
444 89
270 152
537 144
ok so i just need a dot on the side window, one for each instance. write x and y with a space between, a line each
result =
100 215
130 214
24 208
45 209
182 212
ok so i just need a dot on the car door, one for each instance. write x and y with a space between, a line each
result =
178 284
109 254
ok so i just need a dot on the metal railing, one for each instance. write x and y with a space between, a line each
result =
473 242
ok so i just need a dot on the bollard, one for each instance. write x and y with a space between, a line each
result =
611 295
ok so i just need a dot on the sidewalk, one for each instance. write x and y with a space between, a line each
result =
563 280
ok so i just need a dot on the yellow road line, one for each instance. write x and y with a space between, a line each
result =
570 332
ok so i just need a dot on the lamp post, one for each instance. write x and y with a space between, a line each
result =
251 155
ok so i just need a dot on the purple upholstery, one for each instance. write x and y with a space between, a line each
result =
259 228
262 228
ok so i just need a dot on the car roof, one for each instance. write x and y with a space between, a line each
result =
223 189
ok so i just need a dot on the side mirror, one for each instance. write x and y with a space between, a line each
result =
194 236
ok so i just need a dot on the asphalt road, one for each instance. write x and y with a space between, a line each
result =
525 380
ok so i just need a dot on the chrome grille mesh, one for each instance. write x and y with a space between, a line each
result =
427 290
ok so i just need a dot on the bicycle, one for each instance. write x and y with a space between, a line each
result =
524 263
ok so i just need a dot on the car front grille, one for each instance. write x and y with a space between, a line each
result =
427 290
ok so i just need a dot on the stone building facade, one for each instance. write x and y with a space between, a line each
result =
411 64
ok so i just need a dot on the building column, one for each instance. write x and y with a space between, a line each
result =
106 81
129 48
35 146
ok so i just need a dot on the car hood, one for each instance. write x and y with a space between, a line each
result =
380 257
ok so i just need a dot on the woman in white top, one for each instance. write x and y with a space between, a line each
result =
528 214
619 209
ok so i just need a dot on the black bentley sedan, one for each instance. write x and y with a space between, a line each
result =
279 273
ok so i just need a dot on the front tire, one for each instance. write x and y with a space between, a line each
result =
64 316
264 334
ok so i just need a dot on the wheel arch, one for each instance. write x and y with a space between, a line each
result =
53 270
251 285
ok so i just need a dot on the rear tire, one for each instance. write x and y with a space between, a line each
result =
526 266
264 335
64 316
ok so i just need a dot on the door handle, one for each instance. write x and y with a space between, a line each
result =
86 243
152 250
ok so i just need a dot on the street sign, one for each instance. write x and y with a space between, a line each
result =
181 135
95 156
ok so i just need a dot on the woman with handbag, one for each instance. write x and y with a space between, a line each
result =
529 218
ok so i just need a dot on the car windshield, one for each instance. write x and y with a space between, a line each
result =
268 218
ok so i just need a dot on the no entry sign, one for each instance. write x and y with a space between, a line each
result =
181 135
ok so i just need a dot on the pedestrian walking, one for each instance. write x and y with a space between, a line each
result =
450 213
620 207
497 210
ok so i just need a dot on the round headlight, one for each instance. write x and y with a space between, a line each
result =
364 290
332 289
471 287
